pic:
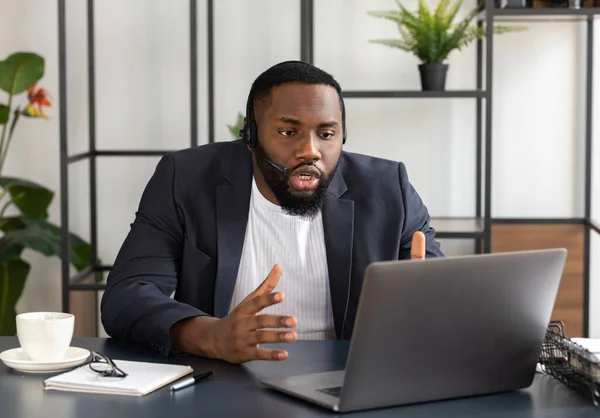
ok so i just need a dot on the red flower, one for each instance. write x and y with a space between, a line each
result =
38 99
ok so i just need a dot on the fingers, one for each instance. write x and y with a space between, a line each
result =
254 306
271 337
268 285
257 322
417 250
267 354
248 342
248 330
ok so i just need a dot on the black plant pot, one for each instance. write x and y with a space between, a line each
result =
433 76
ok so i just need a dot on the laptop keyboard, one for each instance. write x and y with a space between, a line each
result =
334 391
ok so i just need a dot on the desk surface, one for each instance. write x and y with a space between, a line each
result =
235 391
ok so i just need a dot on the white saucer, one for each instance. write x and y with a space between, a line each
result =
16 359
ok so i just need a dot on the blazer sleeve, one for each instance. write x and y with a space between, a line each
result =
136 305
416 218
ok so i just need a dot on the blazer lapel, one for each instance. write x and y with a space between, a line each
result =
338 227
233 202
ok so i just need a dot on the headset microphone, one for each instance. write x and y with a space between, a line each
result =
278 167
249 133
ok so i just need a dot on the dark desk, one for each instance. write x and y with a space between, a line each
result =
235 391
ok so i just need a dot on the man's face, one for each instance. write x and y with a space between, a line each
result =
299 127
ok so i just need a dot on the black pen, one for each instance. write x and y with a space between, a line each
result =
191 380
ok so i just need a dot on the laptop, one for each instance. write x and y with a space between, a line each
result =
441 328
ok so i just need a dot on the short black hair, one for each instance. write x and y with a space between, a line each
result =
289 72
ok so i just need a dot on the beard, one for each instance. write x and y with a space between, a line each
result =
306 206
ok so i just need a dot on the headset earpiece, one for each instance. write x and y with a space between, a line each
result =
249 131
243 133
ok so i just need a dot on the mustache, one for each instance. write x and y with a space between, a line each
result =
293 169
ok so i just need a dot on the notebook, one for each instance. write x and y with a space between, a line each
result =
143 378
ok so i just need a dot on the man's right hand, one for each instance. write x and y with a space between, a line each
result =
236 338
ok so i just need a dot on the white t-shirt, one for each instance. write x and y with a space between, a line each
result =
272 237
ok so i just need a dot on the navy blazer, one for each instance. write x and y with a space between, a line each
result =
189 230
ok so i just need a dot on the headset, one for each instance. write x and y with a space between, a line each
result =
249 134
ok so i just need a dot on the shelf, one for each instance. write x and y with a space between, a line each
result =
78 157
458 227
415 94
86 280
595 227
117 153
87 286
82 276
545 14
131 153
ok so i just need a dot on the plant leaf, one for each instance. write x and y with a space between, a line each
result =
4 114
394 43
499 29
392 15
10 250
11 223
424 13
32 199
440 10
28 237
235 129
12 281
451 14
42 236
454 40
20 71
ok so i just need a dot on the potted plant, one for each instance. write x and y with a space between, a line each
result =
234 130
27 225
431 35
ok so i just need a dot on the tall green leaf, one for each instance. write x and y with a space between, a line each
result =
20 71
392 15
395 43
32 199
12 281
451 14
41 236
4 114
441 8
424 13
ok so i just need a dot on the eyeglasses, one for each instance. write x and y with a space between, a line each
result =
104 366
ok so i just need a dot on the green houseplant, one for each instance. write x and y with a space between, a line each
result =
27 226
431 35
235 128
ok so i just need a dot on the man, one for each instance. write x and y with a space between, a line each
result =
285 203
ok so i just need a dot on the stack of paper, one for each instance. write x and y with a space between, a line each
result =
590 344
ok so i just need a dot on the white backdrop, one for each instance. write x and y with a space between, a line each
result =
142 75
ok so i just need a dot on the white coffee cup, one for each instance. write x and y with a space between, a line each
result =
45 336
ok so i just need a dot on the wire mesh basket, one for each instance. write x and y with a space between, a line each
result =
570 363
